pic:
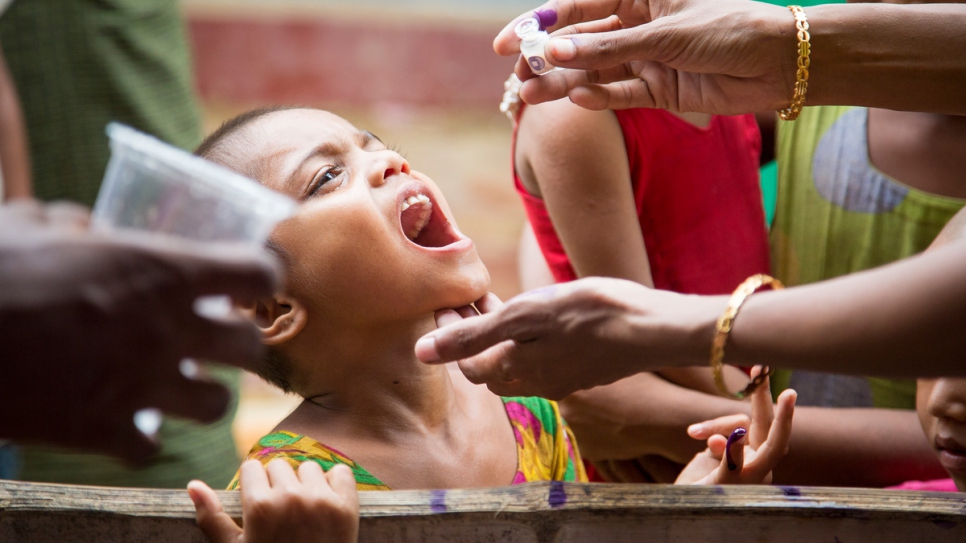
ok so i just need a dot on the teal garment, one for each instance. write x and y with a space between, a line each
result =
78 65
9 461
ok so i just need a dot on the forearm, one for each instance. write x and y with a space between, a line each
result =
642 415
900 57
857 447
14 155
902 320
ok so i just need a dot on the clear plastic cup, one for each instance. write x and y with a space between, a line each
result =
155 187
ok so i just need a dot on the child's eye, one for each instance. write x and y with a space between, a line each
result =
325 176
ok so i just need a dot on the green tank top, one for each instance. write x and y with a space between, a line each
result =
837 214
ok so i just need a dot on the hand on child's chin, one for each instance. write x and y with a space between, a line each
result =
489 302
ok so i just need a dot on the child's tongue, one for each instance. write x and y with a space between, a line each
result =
416 213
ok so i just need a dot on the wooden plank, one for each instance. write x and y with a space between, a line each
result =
538 512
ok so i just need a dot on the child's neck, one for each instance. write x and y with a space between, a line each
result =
380 385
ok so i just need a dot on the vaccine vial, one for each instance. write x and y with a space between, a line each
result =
533 40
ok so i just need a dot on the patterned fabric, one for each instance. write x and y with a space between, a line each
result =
837 214
546 449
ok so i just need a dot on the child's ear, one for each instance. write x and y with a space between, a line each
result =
280 318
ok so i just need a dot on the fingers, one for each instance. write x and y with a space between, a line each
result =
609 24
460 339
719 426
490 366
68 215
563 83
488 304
239 272
771 452
235 342
555 15
342 481
446 317
129 444
311 475
281 475
253 480
233 269
210 514
732 464
467 311
762 411
780 432
203 401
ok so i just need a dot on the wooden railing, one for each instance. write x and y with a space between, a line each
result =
538 512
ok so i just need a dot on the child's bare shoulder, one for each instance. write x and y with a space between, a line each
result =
561 121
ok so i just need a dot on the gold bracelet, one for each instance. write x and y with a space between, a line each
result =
801 76
723 327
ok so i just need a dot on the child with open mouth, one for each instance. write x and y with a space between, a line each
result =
372 253
370 256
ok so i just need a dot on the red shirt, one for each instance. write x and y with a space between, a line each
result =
698 201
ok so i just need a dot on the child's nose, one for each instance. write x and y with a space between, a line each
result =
948 399
390 164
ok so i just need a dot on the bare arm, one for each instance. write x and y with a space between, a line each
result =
905 319
734 56
902 320
857 447
576 161
829 446
14 157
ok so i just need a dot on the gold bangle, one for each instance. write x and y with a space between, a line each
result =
723 327
801 76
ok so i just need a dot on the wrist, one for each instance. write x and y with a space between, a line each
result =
677 331
777 38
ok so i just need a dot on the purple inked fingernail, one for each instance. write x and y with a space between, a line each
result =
546 17
735 437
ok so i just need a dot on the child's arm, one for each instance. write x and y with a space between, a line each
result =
753 447
575 160
278 504
14 157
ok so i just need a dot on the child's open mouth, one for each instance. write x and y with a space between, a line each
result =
424 223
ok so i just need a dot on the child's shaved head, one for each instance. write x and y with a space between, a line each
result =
229 145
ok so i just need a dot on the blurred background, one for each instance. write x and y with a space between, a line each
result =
420 74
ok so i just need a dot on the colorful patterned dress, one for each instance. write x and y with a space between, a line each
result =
546 449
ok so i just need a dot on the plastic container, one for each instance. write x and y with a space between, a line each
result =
156 187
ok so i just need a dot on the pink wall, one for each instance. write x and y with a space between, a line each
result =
317 61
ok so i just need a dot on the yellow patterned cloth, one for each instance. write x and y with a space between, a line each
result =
546 448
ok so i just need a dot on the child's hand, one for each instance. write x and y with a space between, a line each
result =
753 448
279 505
